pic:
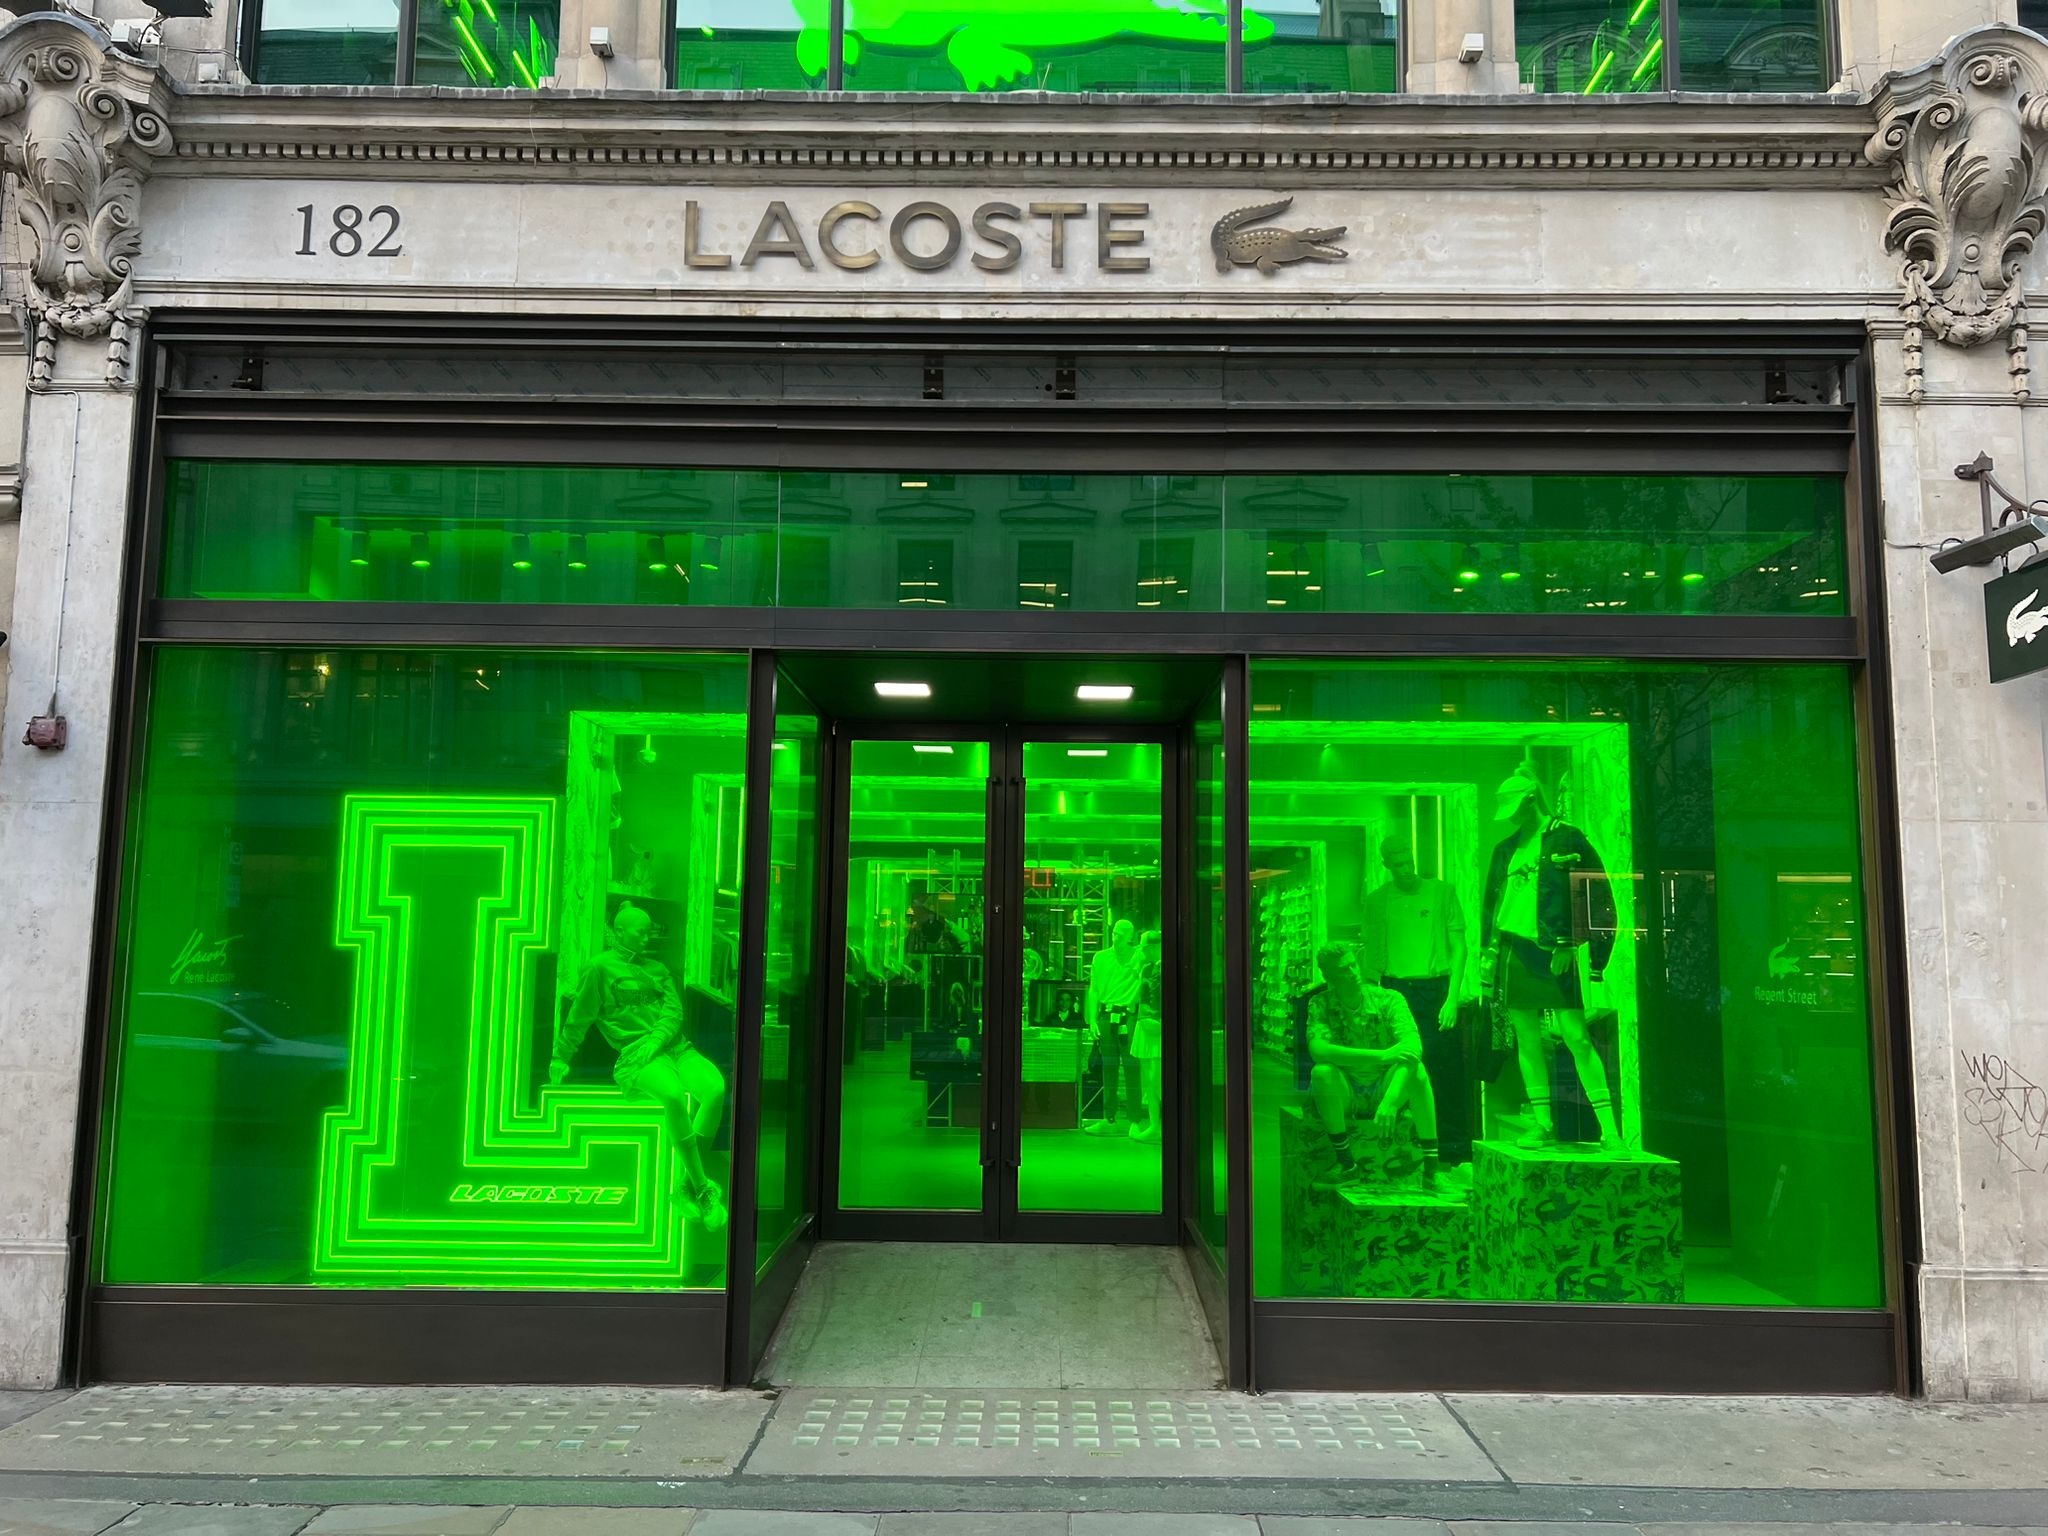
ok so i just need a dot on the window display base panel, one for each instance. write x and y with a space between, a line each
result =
1492 1347
260 1335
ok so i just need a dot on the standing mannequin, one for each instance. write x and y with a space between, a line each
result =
1529 938
1413 943
1147 1036
1114 977
632 999
1366 1050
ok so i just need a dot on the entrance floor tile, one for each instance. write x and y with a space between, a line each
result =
216 1520
389 1431
1120 1434
410 1520
960 1315
574 1520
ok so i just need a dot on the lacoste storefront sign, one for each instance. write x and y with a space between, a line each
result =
928 235
2016 622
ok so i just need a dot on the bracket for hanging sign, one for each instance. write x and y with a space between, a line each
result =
2013 526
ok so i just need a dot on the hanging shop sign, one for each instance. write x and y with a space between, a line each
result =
2016 622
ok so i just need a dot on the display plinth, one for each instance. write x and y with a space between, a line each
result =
1383 1237
1563 1224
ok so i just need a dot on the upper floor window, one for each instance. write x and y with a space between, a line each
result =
1605 47
493 44
2034 15
1059 45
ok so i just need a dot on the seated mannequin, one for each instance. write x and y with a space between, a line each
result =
631 997
1367 1057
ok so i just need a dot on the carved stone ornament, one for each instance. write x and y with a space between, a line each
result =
1966 139
79 127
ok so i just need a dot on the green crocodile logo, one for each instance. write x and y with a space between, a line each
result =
995 42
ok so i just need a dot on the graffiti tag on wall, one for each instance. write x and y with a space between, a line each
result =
2008 1108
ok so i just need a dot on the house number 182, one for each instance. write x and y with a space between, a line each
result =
351 232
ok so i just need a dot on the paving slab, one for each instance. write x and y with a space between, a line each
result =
950 1522
216 1520
409 1520
1349 1525
1670 1442
60 1517
778 1522
389 1432
15 1406
583 1520
1197 1436
1164 1525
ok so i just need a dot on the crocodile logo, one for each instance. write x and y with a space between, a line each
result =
2021 625
1269 249
993 43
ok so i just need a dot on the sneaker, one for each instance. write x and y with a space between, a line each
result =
1338 1176
1614 1146
1100 1128
1536 1138
713 1206
687 1202
1138 1129
1151 1135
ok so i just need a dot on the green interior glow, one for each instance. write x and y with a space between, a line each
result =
1730 1020
1093 834
789 1018
363 888
912 1080
1599 47
1469 544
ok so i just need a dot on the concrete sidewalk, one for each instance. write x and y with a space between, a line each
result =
495 1461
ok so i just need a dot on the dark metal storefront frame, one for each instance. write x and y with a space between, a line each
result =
293 1334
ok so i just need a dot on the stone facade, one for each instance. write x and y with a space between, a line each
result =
153 181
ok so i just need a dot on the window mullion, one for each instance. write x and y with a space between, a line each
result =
408 41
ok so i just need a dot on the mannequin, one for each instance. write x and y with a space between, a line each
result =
1532 952
1412 941
632 999
1114 977
1366 1049
1147 1037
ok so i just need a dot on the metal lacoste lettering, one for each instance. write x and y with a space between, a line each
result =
929 236
1271 248
537 1194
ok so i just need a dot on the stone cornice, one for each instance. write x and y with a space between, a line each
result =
1753 142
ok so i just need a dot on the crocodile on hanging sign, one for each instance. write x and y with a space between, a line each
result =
1269 247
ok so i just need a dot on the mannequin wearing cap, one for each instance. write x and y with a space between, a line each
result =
1529 939
631 997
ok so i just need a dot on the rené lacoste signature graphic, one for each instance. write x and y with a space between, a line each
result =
2020 625
1270 248
202 962
2009 1109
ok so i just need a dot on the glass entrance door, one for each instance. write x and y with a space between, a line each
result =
1006 991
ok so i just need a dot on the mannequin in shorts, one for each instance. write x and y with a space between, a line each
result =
631 997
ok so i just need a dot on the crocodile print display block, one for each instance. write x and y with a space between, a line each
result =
1383 1238
1557 1224
1381 1159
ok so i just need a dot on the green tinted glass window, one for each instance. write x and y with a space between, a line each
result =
429 969
1591 47
751 45
1560 986
1102 543
1535 544
1322 45
1751 45
327 42
788 1024
490 44
1055 45
1605 47
916 985
1092 1115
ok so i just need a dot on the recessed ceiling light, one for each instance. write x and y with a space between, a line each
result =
932 746
1087 751
904 690
1104 693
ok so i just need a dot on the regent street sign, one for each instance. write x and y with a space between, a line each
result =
929 235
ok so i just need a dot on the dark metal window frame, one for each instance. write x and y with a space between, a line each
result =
158 1332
